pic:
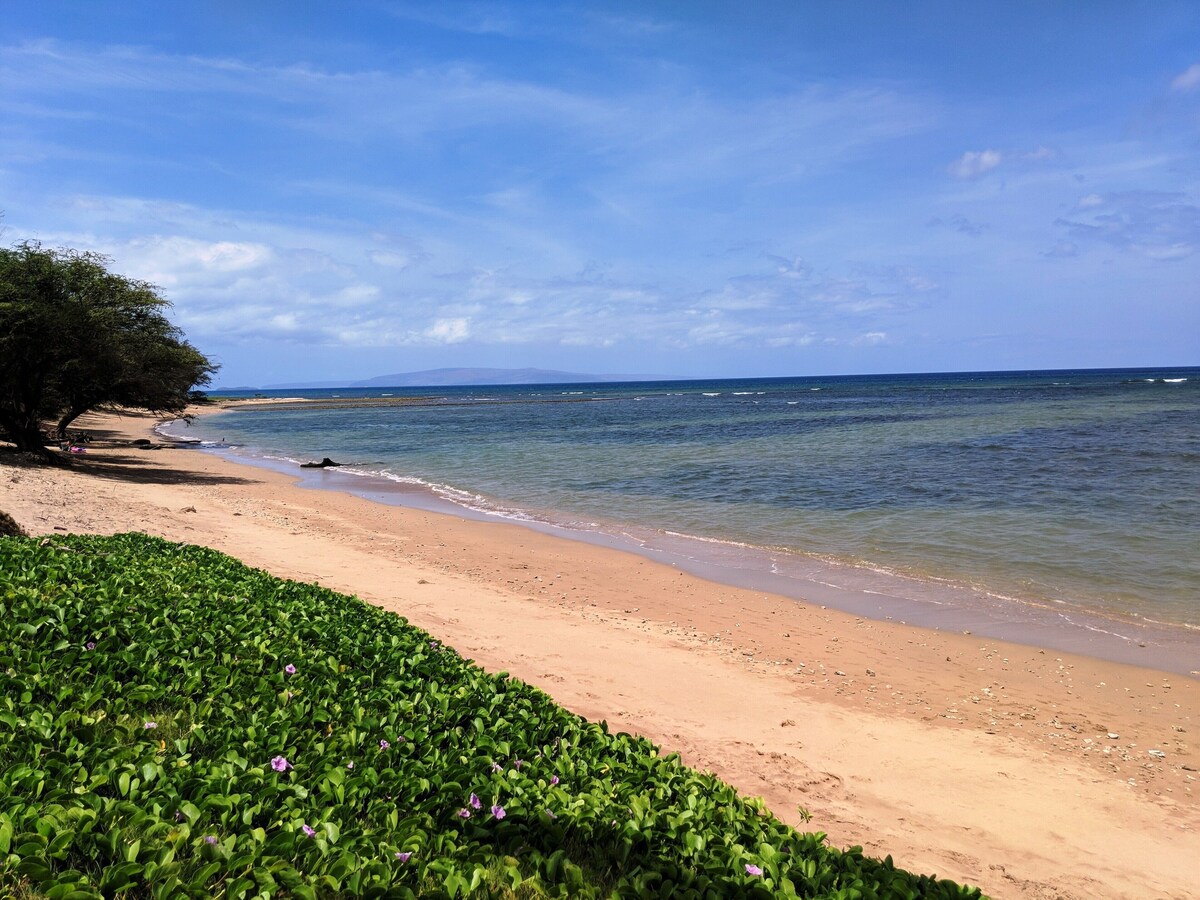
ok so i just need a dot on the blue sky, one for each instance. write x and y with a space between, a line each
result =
687 188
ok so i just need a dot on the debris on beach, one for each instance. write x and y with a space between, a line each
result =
323 464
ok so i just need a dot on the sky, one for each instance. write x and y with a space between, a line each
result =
329 192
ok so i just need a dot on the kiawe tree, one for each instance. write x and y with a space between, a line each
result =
76 337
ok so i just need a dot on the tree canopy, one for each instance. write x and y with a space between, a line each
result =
76 337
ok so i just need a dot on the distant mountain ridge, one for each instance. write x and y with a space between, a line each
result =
467 376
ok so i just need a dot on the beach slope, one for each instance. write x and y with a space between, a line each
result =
1031 773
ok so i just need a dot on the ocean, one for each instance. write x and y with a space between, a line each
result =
1003 502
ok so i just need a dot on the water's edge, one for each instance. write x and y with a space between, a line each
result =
857 590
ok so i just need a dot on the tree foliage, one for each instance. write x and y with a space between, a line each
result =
76 337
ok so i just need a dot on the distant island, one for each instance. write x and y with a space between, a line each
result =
458 377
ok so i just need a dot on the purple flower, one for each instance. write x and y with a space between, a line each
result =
290 669
474 801
554 779
498 811
280 764
403 857
496 767
752 869
210 839
518 763
178 815
308 830
464 813
350 765
91 645
383 745
150 725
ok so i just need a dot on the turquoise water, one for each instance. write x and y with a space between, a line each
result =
1070 488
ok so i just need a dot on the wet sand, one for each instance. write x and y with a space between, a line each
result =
979 760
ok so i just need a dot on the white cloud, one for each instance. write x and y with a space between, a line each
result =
974 163
870 339
780 341
391 259
448 331
172 261
1188 79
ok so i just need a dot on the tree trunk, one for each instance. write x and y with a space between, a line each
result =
70 416
26 433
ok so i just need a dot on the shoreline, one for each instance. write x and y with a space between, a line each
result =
859 589
979 760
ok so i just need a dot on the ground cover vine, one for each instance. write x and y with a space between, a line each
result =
176 724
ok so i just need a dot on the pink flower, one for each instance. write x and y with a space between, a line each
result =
554 779
150 725
403 857
474 801
498 811
307 830
518 763
383 745
464 813
350 765
280 764
752 869
290 669
496 767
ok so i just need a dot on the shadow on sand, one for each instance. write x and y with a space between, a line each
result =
121 462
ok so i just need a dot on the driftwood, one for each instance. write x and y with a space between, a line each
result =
323 464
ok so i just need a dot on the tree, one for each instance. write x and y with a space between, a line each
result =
76 337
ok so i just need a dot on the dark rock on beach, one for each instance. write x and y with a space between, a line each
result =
9 526
323 464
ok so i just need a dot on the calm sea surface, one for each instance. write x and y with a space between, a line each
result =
1070 489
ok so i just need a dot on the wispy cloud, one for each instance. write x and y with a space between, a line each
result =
531 178
1155 224
470 18
669 133
1188 79
974 163
959 223
341 289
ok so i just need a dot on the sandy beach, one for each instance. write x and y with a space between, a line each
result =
1031 773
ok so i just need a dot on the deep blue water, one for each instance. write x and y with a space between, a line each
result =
1062 487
